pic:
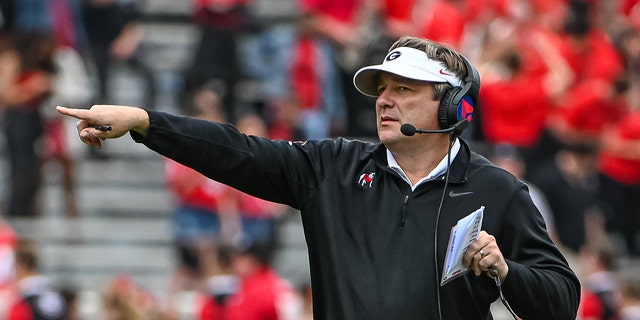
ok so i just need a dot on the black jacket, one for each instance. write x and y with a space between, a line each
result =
370 238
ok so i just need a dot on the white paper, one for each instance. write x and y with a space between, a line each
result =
462 235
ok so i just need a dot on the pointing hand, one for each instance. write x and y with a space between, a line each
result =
107 122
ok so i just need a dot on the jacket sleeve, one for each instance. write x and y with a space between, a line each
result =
540 284
279 171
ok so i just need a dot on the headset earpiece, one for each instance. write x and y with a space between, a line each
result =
459 102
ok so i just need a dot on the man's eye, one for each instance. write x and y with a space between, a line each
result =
381 90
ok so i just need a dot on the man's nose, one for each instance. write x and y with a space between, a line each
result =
384 100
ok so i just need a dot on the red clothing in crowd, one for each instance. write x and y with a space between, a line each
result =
38 301
586 108
482 9
631 9
590 306
20 311
620 167
8 242
305 75
444 22
341 10
399 17
210 309
514 111
596 58
262 296
401 10
250 206
219 13
336 20
8 291
192 188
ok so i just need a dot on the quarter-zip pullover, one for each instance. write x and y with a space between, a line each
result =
375 250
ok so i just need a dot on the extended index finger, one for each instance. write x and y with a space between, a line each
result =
82 114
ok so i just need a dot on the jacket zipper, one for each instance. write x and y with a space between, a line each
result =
404 210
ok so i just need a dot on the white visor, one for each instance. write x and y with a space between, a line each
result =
405 62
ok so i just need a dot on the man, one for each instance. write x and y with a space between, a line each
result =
39 298
377 216
261 294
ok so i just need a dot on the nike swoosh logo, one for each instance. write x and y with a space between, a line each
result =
442 72
458 194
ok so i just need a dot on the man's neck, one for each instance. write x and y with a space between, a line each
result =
418 161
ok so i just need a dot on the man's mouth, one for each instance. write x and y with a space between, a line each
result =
386 119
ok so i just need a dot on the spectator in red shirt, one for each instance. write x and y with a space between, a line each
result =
39 298
514 109
220 287
262 295
619 165
526 75
596 64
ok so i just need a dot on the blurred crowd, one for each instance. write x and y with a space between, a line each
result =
559 108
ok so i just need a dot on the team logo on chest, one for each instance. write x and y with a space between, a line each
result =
366 179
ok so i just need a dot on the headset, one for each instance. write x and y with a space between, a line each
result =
458 103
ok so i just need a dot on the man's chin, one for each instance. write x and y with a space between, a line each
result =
389 138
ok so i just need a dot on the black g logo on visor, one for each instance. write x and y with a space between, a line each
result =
393 55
